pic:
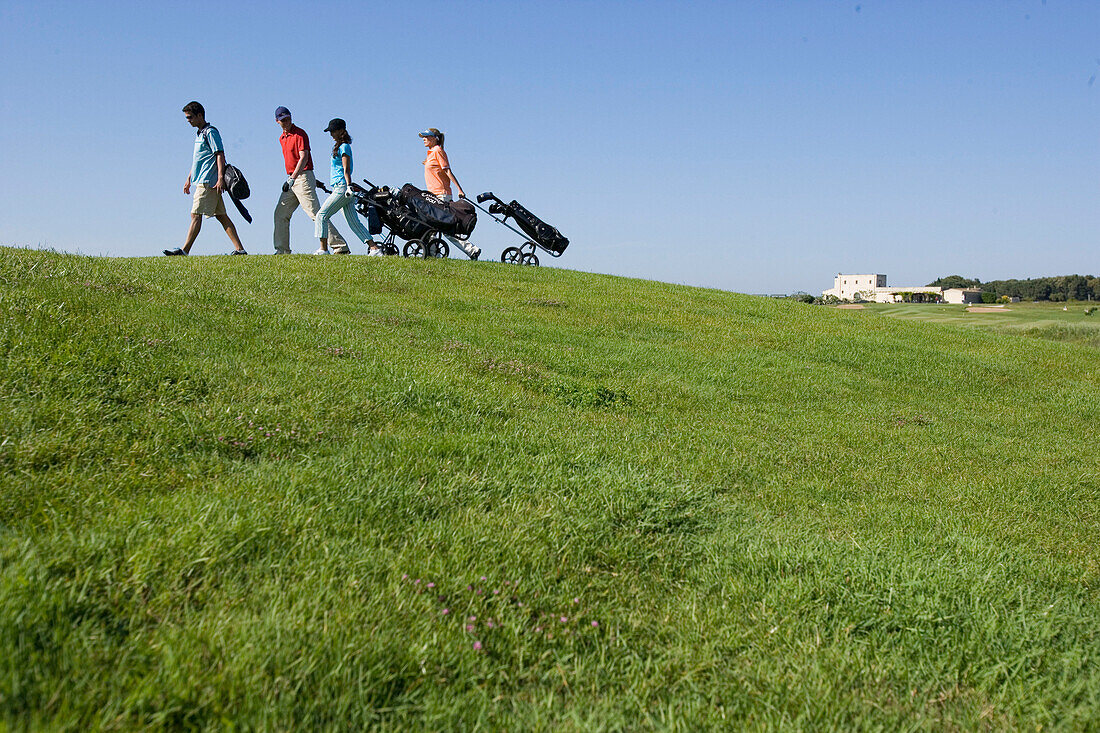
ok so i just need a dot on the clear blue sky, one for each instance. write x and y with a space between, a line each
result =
745 145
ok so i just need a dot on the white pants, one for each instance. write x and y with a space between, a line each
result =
304 192
466 247
340 199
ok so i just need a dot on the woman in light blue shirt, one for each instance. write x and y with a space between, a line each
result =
341 196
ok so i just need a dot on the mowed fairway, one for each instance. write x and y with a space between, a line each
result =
303 493
1076 321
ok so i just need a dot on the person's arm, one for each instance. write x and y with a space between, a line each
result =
345 160
220 183
451 175
303 161
187 186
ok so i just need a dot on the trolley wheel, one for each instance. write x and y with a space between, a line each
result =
436 247
414 248
390 249
530 258
511 256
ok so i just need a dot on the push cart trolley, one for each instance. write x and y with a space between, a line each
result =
535 232
413 215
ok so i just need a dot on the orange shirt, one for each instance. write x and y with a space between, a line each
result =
435 180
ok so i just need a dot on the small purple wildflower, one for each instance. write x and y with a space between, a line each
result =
417 581
473 618
565 619
496 592
595 624
477 646
405 576
576 600
482 578
469 627
431 585
446 611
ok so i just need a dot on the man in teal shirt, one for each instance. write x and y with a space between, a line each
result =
208 176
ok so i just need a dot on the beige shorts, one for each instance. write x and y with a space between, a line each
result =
207 201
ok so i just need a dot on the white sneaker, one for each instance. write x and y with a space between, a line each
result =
374 252
321 252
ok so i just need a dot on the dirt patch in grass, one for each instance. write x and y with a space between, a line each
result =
850 307
986 309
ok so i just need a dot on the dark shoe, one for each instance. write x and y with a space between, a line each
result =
238 252
174 252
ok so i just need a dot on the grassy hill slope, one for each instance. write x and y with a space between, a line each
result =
347 492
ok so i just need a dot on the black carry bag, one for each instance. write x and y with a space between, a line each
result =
546 235
431 211
235 183
370 211
465 217
237 188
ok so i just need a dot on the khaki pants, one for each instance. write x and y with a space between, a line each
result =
207 201
304 192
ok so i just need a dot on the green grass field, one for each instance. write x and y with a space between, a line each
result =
1077 322
341 493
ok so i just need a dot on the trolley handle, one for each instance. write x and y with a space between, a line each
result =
354 187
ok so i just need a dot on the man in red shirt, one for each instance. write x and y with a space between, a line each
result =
300 186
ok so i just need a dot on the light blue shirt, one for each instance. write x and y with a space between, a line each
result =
338 165
208 143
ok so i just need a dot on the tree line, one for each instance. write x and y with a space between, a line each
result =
1060 288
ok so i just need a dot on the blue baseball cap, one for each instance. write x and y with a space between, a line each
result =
281 113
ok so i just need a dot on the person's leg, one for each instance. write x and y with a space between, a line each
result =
472 251
231 230
305 187
357 227
288 202
335 200
192 232
201 204
225 221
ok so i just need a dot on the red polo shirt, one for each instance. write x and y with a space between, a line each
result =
294 142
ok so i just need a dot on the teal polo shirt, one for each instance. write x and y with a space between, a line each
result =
204 168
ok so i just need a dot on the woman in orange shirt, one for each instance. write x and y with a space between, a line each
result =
438 178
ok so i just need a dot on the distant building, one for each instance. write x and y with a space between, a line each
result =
873 287
847 287
962 295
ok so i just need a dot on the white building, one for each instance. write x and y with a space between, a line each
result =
873 287
962 295
846 287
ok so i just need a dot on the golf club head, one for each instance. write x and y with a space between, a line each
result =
482 198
